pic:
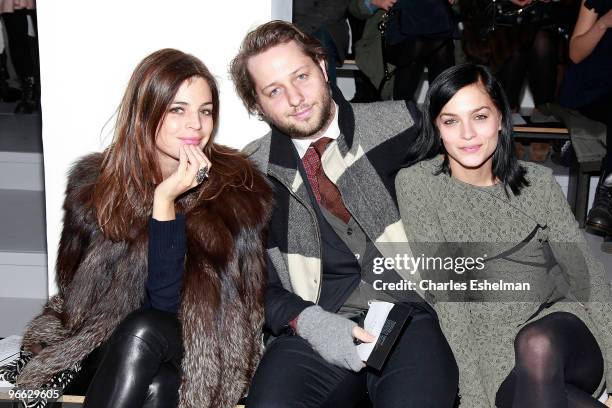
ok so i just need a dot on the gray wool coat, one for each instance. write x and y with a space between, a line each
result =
481 331
362 162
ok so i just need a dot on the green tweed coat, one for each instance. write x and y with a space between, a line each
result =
481 332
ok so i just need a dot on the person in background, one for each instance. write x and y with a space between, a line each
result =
8 93
365 91
516 52
588 88
19 18
326 21
545 346
409 54
160 267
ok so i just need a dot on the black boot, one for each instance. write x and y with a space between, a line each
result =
600 216
29 102
7 93
364 90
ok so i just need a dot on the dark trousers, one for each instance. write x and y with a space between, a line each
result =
421 372
23 49
332 53
139 366
538 63
411 57
599 110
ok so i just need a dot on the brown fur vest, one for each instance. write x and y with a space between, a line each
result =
101 281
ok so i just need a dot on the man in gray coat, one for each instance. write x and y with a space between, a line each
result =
332 167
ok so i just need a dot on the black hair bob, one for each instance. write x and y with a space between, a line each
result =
428 143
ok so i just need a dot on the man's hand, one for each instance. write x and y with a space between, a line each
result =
362 335
332 337
609 402
384 4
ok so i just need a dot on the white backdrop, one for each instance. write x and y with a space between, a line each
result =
88 50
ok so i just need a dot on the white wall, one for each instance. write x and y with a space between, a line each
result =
88 51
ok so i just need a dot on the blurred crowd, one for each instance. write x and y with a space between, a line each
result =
19 55
561 50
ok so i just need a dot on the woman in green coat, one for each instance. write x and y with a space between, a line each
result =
541 337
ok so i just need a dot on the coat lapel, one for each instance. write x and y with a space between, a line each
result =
284 166
343 161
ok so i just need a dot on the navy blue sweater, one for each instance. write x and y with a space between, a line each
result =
166 259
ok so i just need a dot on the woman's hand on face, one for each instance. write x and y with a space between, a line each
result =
191 160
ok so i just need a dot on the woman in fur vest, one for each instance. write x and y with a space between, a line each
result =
162 248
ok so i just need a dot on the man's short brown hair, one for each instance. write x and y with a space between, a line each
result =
261 39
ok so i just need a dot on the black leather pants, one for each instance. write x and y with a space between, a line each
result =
141 364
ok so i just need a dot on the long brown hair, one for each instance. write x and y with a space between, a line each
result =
130 170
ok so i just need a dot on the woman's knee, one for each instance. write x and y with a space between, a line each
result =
147 323
149 330
533 343
535 350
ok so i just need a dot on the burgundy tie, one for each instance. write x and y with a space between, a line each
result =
326 192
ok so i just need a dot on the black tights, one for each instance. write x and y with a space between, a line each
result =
411 56
23 48
539 63
558 364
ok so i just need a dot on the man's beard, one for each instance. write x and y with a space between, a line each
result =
324 119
